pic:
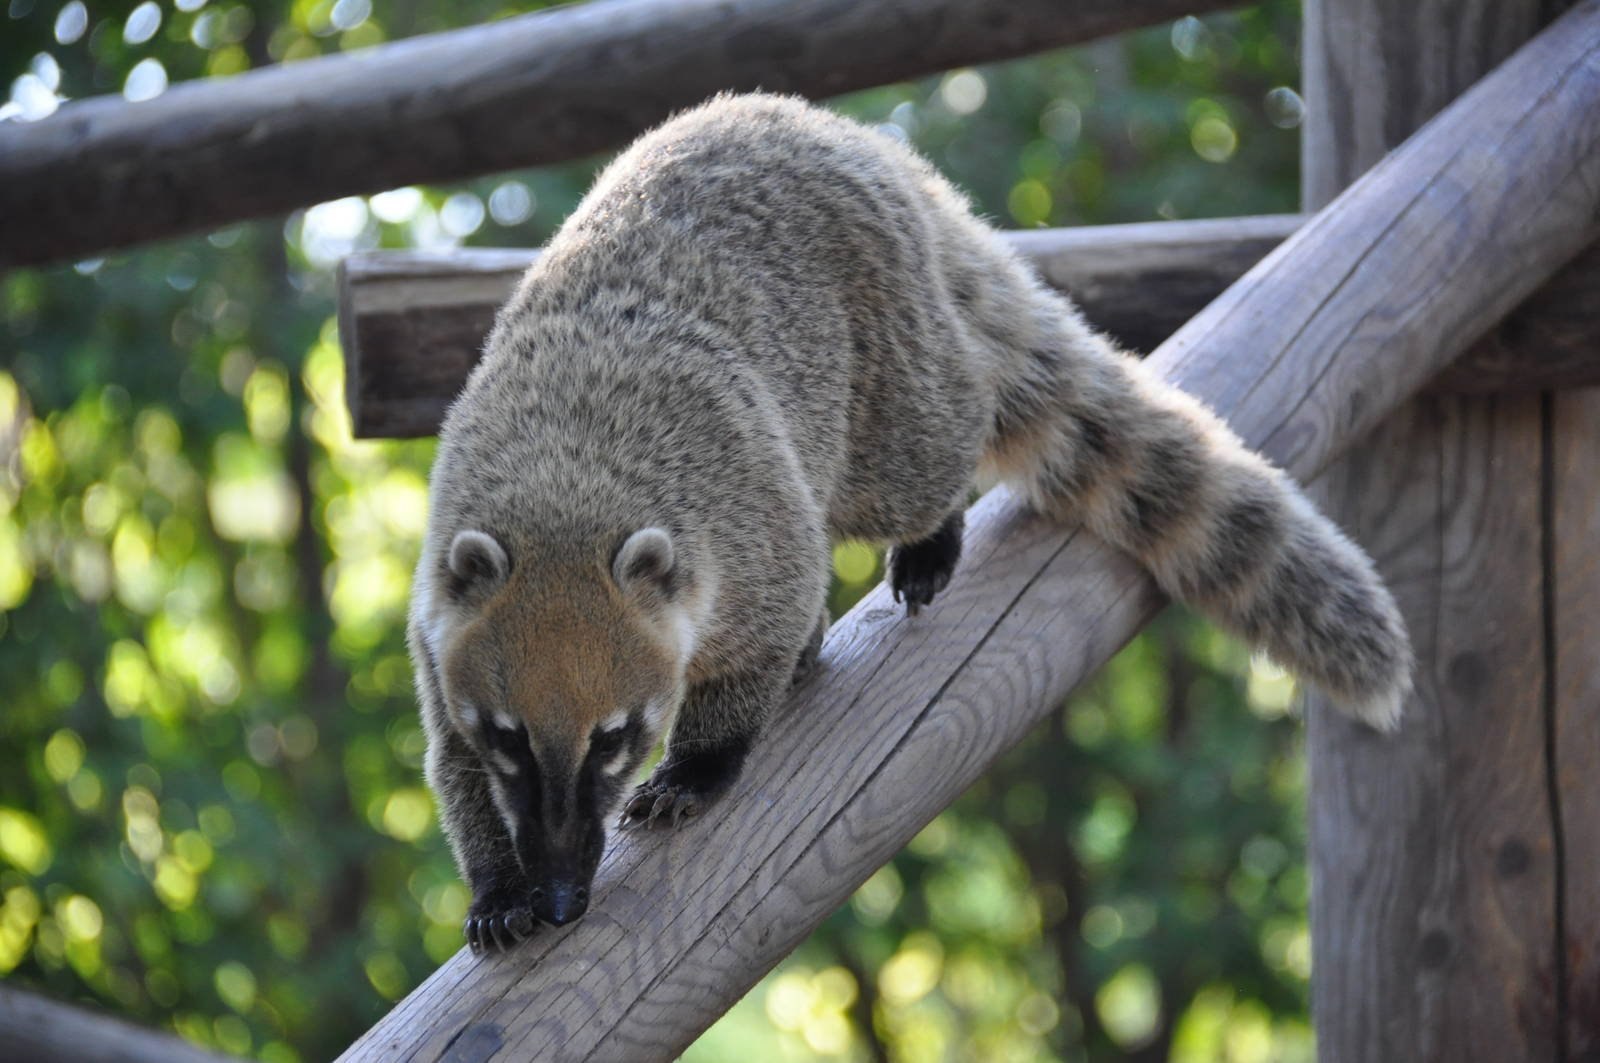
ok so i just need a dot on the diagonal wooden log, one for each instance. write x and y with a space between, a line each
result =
412 323
540 88
1331 331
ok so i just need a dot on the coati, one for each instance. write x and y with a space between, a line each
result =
765 328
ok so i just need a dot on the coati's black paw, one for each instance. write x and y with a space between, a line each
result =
920 570
498 921
680 789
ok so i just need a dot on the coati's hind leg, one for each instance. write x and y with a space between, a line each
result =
807 661
921 569
715 728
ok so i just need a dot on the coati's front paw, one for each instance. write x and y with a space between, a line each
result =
656 805
498 920
681 789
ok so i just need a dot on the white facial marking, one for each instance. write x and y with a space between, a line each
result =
469 717
433 633
504 806
684 629
503 762
659 713
504 722
615 764
616 721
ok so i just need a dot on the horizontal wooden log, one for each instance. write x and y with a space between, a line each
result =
525 91
1306 352
40 1030
412 323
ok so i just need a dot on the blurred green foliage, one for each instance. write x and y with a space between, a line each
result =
211 811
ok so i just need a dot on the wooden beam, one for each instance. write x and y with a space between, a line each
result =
1572 582
1306 352
517 92
1435 857
41 1030
412 323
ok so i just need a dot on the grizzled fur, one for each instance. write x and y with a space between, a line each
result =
766 328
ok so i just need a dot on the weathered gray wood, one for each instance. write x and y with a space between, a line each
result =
517 92
1573 578
412 323
1432 855
37 1029
1551 342
1434 870
1321 340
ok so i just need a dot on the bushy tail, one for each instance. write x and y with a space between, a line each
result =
1092 436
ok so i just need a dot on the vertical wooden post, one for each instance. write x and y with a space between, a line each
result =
1442 884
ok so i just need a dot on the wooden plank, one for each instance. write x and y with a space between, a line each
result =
1434 857
903 714
40 1030
516 92
1573 576
412 323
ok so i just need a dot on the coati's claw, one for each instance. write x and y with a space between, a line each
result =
660 807
492 929
914 585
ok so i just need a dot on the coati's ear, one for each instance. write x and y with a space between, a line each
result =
645 562
477 563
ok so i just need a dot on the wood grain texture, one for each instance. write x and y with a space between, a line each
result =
412 324
904 714
1435 857
1432 853
37 1029
1575 582
517 92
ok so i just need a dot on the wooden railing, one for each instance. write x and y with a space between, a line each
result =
1471 237
524 91
412 323
1332 331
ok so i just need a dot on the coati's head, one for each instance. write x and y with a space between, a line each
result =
562 673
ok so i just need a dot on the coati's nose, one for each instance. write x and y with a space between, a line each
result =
561 903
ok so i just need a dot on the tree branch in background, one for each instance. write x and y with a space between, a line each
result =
525 91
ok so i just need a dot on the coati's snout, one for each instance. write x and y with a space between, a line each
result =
560 902
560 675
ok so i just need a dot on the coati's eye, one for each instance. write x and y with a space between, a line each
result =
504 741
606 743
611 742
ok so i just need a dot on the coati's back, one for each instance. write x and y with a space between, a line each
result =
766 327
803 261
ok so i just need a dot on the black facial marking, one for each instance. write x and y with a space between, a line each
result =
522 789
